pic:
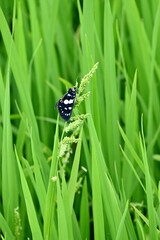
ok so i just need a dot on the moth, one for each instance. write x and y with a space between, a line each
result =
66 103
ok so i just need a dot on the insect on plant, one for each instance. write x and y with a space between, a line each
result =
66 103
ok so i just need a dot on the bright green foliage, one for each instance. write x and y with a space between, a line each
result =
96 177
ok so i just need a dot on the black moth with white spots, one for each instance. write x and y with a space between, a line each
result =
66 103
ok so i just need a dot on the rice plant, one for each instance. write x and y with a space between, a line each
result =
96 175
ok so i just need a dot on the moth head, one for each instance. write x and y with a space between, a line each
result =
72 90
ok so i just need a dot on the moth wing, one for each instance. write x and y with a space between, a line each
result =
64 110
65 105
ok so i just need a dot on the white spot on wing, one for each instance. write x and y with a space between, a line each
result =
66 101
70 101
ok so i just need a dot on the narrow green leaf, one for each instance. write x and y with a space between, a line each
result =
98 214
5 228
68 210
31 211
121 225
9 176
40 188
84 213
148 179
49 227
74 172
111 93
62 220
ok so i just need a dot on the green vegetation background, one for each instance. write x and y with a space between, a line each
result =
109 189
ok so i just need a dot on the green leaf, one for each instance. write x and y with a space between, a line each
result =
31 211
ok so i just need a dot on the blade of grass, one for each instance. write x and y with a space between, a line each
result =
131 124
151 210
139 227
19 37
74 173
98 214
111 97
132 151
103 189
31 211
76 228
9 177
2 95
120 229
62 220
133 169
153 108
87 34
84 213
39 61
23 88
67 204
49 227
5 228
40 188
140 45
